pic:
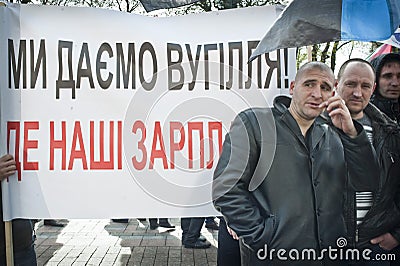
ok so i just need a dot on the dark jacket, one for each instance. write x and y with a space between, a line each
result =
384 215
273 190
390 107
22 230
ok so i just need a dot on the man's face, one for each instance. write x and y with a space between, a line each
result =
356 86
389 80
311 88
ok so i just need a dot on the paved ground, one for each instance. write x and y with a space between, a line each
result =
103 242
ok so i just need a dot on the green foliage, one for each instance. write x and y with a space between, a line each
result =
121 5
334 53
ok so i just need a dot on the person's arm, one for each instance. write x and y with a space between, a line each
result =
340 115
389 212
7 166
362 163
232 233
396 234
361 160
232 176
387 241
382 226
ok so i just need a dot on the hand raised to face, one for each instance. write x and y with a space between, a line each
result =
340 115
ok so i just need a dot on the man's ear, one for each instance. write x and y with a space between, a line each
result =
291 88
374 87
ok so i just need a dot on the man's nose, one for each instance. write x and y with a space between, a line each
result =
357 91
316 93
395 80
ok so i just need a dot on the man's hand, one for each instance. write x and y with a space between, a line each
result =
232 233
7 166
340 115
385 241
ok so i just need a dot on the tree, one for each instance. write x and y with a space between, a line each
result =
334 53
121 5
209 5
327 52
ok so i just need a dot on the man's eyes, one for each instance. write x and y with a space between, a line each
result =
309 84
313 84
350 84
326 88
354 84
366 86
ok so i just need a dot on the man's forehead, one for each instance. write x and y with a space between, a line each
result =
317 75
358 70
391 64
317 72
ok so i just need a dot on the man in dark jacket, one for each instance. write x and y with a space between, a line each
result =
377 229
22 229
387 93
282 175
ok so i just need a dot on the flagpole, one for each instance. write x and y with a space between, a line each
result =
8 224
9 243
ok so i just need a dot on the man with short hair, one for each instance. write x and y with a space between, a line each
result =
379 230
387 93
283 172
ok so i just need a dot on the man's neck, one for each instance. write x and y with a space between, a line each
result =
387 99
304 124
357 116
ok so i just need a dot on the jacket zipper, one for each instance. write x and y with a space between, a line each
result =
356 237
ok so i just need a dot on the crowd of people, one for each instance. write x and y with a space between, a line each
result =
334 173
331 172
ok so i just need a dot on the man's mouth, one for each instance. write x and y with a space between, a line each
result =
355 100
314 105
393 91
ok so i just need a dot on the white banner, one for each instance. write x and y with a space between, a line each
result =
112 114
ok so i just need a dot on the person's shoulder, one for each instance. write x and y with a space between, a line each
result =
259 118
376 115
256 111
280 106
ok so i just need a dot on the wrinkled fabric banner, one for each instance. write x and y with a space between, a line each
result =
307 22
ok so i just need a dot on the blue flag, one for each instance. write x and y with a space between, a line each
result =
307 22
